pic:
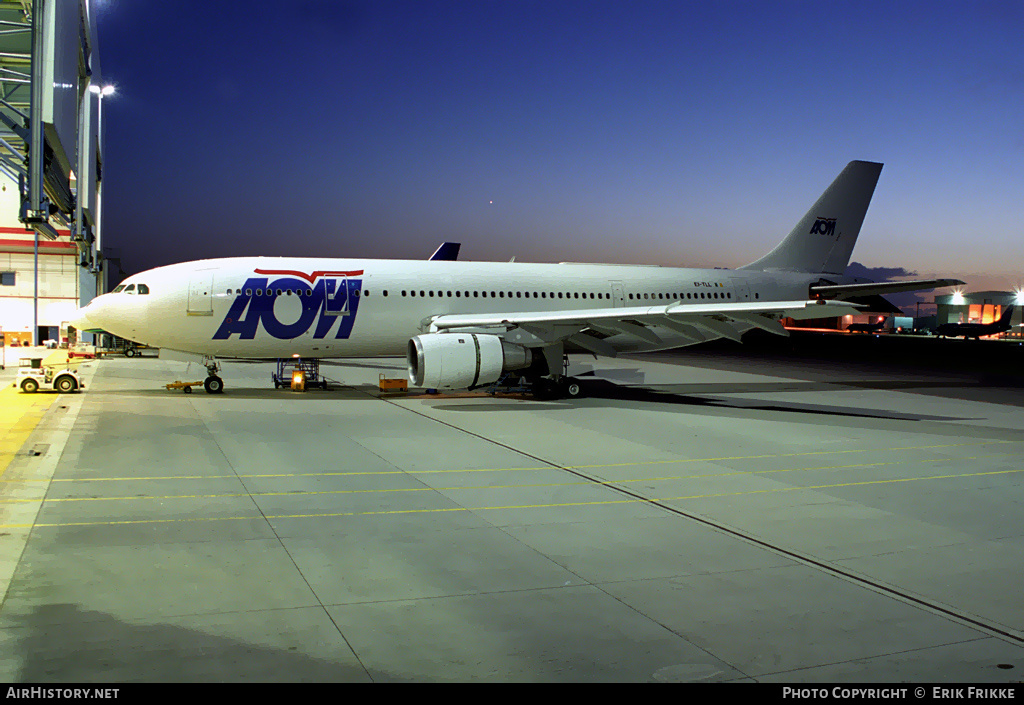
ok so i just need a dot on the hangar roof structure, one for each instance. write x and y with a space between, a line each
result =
47 65
15 79
50 141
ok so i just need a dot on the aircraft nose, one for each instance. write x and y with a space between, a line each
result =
93 316
81 321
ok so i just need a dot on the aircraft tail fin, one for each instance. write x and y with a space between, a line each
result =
823 239
1007 314
447 252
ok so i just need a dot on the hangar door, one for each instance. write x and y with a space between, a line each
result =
200 294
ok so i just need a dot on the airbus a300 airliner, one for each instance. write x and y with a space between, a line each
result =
465 324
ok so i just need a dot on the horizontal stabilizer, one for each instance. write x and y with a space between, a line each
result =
845 291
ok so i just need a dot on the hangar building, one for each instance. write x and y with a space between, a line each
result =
51 95
981 307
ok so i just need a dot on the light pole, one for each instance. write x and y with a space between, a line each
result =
1019 300
101 93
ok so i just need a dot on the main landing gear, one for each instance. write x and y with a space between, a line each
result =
562 388
212 384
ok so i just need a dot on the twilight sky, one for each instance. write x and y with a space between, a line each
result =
674 133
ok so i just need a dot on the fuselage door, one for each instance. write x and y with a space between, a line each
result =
200 294
618 297
740 290
336 296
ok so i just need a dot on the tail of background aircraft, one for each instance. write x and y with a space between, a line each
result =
1007 313
824 238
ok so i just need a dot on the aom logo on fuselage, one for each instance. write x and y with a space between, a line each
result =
824 226
287 307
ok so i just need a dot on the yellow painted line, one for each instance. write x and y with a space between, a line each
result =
593 483
526 469
19 415
559 505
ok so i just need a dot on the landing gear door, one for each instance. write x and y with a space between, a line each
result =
200 294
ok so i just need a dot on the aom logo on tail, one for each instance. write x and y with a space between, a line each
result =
288 306
824 226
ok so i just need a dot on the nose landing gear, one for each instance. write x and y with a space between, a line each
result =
212 384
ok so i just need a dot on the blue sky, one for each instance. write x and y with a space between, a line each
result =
671 133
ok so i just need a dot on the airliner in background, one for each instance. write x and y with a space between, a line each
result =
976 330
464 324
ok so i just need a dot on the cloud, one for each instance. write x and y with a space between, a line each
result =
906 300
878 274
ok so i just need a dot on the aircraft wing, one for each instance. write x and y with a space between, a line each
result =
701 321
842 291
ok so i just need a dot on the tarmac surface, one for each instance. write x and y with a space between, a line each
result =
723 513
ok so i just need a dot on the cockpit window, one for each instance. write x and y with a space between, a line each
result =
130 289
118 289
143 289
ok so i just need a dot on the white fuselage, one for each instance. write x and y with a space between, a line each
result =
274 307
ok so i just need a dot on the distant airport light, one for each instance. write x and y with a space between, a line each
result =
958 298
1019 296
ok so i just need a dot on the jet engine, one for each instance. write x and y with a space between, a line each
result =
462 360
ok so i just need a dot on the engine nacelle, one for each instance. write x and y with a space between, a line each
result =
462 360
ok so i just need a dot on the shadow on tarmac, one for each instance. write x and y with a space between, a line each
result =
64 643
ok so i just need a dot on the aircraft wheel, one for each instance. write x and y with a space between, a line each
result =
65 384
30 386
213 385
129 352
